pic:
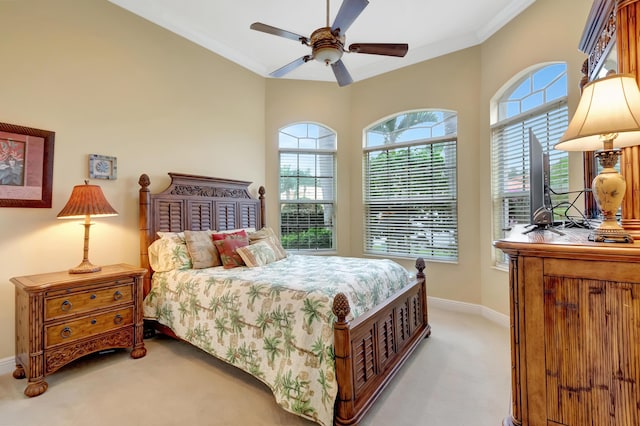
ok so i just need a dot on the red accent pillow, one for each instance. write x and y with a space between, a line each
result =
226 244
224 235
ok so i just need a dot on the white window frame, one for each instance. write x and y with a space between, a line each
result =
410 203
521 105
297 143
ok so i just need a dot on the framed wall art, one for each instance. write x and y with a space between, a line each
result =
103 167
26 166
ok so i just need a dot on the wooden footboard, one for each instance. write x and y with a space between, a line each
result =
370 350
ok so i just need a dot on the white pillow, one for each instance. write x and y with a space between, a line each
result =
169 252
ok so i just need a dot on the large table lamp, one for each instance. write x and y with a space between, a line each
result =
607 118
86 201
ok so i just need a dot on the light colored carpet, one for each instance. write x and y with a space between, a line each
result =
458 376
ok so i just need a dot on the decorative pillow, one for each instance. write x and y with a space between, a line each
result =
169 252
257 254
267 234
235 234
228 251
201 249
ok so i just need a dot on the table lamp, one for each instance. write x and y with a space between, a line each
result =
86 201
607 118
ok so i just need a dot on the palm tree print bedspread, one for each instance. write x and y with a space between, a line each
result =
274 321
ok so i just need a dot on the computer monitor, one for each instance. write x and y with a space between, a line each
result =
540 210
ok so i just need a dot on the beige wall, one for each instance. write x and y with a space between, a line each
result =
290 101
450 82
110 83
463 81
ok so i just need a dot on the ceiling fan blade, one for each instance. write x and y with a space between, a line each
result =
388 49
341 73
259 26
348 12
290 66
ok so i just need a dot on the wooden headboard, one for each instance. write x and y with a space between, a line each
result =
195 203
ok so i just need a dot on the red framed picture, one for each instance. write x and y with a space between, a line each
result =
26 166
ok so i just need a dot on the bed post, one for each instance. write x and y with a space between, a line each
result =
420 265
263 217
145 237
344 408
372 348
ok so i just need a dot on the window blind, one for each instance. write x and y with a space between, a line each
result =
410 197
307 187
510 163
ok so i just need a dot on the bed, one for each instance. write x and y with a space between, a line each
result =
331 363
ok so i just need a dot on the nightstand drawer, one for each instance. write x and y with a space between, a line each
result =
87 326
85 301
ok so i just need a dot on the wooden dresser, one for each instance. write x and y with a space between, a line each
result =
61 317
575 330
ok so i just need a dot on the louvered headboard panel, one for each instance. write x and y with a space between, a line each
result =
196 203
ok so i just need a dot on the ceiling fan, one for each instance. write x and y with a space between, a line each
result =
327 43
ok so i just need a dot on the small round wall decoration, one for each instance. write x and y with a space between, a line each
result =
103 167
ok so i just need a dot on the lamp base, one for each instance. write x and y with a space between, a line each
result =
608 189
84 268
610 235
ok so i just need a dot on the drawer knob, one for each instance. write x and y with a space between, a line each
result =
117 319
93 321
117 295
93 296
66 306
66 332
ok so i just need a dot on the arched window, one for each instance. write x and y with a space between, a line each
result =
533 107
307 187
410 186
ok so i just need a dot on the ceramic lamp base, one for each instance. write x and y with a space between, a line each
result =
610 236
608 189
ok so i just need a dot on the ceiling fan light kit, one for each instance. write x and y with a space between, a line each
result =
326 48
327 43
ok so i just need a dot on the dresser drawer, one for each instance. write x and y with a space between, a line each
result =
90 325
84 301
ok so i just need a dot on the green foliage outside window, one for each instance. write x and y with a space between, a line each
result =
312 238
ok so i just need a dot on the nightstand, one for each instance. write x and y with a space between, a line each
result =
61 317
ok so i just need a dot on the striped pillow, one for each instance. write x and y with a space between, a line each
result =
258 254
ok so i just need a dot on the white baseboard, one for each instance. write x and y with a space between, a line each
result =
469 308
7 365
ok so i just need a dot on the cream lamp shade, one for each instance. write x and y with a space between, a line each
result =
86 201
608 105
607 118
